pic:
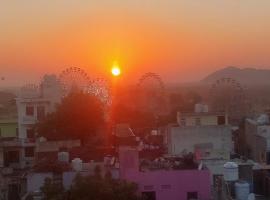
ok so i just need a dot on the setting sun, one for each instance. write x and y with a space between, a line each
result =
116 71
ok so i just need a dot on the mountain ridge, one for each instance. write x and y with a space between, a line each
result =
247 76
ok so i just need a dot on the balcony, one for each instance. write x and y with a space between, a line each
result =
29 120
16 142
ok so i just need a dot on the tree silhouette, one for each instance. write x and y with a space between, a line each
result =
79 116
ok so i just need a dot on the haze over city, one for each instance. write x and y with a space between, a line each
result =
134 100
183 41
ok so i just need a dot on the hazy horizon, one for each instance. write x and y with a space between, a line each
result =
183 41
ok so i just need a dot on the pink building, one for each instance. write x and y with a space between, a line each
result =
164 184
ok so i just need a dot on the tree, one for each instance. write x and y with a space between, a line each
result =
96 188
135 117
52 191
79 116
91 188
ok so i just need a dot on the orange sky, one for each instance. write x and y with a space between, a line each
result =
180 40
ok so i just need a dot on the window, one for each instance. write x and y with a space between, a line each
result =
197 121
183 122
29 152
40 112
148 187
221 120
149 195
166 187
30 133
11 157
29 110
192 195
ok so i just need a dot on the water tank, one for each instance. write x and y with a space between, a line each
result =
241 190
63 156
230 171
198 108
77 164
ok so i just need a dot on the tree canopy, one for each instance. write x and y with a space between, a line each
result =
92 188
79 116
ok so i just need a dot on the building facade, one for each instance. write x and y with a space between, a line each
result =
208 135
35 102
164 184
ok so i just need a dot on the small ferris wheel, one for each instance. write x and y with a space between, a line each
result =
74 78
100 87
228 95
151 91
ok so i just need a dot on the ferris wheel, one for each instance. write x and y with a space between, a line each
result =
228 95
151 82
151 91
100 87
74 78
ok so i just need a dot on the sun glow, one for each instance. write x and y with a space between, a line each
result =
116 71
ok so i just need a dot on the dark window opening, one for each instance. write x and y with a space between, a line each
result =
29 110
221 120
40 112
192 195
13 191
29 151
197 121
11 157
268 158
149 195
30 133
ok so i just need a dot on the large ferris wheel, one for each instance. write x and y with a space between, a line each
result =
228 95
151 92
100 87
75 78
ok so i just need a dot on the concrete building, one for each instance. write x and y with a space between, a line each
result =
17 137
208 135
257 134
35 102
161 184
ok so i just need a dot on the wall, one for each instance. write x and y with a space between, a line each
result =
36 180
1 157
167 184
8 128
250 131
206 119
173 185
51 146
259 153
185 138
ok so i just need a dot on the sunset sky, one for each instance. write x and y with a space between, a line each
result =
180 40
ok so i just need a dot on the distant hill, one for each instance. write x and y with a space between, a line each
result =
246 76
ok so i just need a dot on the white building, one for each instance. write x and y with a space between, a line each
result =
35 102
208 135
257 135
